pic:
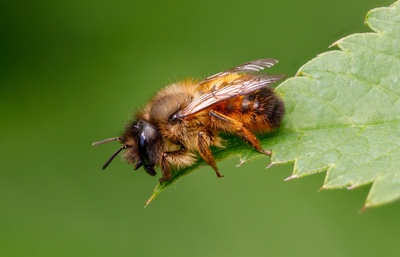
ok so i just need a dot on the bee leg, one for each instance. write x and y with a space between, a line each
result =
236 127
180 159
203 142
165 168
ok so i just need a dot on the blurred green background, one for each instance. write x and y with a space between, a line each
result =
71 72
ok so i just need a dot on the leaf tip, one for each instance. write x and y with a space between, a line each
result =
152 197
291 177
324 187
241 161
336 43
270 165
363 209
350 187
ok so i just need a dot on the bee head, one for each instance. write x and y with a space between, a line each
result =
141 139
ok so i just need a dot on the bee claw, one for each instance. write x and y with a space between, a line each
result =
219 174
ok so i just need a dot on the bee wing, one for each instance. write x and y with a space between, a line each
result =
222 90
249 67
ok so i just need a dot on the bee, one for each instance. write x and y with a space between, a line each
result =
183 120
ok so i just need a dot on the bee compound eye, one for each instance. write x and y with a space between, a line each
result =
143 149
142 140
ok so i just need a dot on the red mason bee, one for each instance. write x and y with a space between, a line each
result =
181 121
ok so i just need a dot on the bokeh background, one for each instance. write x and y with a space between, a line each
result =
72 72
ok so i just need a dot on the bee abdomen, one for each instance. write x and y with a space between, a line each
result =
261 111
265 109
250 103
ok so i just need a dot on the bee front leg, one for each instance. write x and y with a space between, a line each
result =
203 144
165 168
236 127
179 159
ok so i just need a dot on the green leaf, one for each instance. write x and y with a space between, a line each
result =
342 115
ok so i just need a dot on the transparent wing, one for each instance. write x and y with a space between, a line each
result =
249 67
222 89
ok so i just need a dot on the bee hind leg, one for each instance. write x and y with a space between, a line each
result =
236 127
203 143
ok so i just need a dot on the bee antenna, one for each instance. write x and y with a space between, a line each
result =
114 154
106 141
